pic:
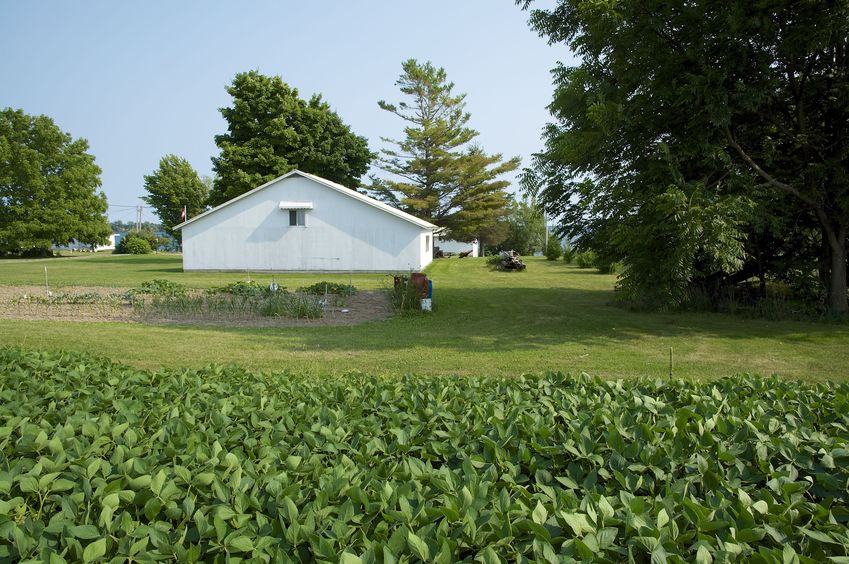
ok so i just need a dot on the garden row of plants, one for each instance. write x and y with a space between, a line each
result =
163 298
243 299
104 462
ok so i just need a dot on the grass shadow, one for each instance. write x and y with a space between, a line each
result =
517 319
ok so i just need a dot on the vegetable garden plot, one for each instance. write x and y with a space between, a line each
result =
103 462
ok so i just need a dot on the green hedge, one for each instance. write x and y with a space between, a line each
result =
101 461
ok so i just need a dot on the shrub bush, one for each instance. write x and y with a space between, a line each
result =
160 287
585 259
553 250
607 266
153 242
245 288
494 260
335 288
134 244
569 253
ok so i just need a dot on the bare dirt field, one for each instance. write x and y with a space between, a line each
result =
30 303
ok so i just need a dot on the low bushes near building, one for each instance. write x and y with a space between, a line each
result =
105 462
140 243
133 244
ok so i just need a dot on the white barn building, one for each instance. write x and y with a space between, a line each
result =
75 245
301 222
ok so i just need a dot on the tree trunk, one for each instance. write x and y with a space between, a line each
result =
837 281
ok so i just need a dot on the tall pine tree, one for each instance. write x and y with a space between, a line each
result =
271 131
437 172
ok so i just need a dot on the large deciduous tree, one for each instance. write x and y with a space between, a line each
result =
688 125
48 187
173 186
525 227
271 131
437 172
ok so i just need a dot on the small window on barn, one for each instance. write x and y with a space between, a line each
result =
297 217
427 243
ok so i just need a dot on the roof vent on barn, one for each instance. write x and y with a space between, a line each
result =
284 205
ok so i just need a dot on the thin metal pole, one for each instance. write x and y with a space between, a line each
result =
670 362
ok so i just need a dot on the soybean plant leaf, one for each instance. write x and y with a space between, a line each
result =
111 501
539 515
577 521
818 535
94 550
605 508
658 555
28 484
789 556
761 507
662 519
62 485
348 558
85 532
488 556
703 555
157 482
293 461
290 510
204 478
418 546
240 543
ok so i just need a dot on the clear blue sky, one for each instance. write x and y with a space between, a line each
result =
143 79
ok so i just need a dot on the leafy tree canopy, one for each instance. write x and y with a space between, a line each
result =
437 171
48 186
688 126
525 227
271 131
172 186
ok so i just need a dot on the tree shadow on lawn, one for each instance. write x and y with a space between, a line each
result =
515 319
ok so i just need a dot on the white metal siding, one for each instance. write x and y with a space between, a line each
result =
341 233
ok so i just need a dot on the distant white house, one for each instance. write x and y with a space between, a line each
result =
301 222
75 245
457 247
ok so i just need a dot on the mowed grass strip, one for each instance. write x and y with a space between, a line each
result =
128 271
552 316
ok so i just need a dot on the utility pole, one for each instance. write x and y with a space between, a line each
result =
138 218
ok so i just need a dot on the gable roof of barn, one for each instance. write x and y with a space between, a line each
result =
329 184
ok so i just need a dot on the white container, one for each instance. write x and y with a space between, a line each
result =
427 304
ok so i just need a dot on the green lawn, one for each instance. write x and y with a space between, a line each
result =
127 271
550 317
